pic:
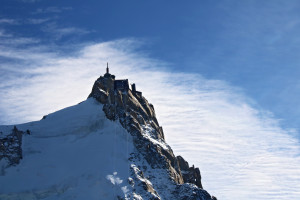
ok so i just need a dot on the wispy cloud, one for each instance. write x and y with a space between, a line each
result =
51 10
30 1
10 45
3 33
26 21
59 32
37 20
242 152
8 21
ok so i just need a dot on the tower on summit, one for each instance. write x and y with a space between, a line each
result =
107 69
107 74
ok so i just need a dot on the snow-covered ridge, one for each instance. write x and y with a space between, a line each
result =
69 155
108 147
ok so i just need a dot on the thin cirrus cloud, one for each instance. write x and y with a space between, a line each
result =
8 21
30 1
34 21
37 20
58 32
51 10
242 152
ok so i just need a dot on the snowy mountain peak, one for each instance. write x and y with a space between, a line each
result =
110 146
138 117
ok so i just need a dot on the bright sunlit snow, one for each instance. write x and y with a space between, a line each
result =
76 153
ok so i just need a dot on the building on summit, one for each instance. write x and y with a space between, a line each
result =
134 91
122 84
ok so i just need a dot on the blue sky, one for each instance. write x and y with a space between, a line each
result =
250 44
233 66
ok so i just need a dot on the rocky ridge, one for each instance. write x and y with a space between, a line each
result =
11 147
137 116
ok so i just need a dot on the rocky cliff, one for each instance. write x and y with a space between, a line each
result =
11 147
137 116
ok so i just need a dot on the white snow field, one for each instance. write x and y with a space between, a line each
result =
74 153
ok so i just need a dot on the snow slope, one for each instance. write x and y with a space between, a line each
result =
75 153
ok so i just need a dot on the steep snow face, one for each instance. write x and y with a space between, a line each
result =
75 153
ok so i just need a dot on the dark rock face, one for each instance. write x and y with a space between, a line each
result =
137 116
189 174
11 147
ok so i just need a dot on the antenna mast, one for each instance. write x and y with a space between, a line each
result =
107 69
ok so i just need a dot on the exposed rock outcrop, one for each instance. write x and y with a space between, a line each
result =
138 117
189 174
11 147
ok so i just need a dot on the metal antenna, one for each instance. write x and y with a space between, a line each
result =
107 69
